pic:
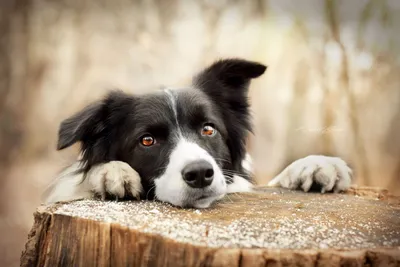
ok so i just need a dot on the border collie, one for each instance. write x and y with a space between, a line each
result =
185 146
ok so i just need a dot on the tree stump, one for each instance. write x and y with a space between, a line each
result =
273 227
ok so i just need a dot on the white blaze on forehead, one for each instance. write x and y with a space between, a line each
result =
172 100
171 187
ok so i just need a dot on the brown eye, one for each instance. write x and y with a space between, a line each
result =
208 130
147 140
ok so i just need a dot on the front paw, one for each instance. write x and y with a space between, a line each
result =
115 178
331 173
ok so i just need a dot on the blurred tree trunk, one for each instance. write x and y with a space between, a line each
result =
359 153
6 130
56 56
14 103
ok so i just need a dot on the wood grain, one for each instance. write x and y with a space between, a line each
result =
241 230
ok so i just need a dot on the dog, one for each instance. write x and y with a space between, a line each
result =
186 146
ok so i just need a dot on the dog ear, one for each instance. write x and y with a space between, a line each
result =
89 123
226 82
230 73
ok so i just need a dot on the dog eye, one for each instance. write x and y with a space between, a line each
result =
208 130
147 140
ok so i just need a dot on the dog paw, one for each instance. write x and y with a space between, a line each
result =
331 173
115 178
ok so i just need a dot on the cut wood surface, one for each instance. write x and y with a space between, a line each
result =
273 227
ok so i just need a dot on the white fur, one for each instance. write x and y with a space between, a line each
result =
247 163
112 177
115 176
239 184
170 187
67 186
330 172
172 100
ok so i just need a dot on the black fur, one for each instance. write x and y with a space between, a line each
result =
226 82
111 129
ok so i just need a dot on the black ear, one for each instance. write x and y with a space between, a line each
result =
232 73
84 123
226 82
92 121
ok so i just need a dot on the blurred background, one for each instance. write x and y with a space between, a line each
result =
332 86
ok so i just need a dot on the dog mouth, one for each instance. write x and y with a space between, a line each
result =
203 197
189 197
202 201
199 202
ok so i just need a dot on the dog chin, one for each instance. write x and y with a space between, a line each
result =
203 202
198 204
192 198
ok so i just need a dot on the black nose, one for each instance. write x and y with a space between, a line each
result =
198 174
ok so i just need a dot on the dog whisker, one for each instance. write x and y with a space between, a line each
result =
238 195
227 195
221 159
230 175
151 188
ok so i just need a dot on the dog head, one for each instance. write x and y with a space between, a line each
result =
185 144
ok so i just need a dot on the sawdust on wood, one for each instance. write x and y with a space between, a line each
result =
273 218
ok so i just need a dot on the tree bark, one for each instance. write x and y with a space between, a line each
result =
273 227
